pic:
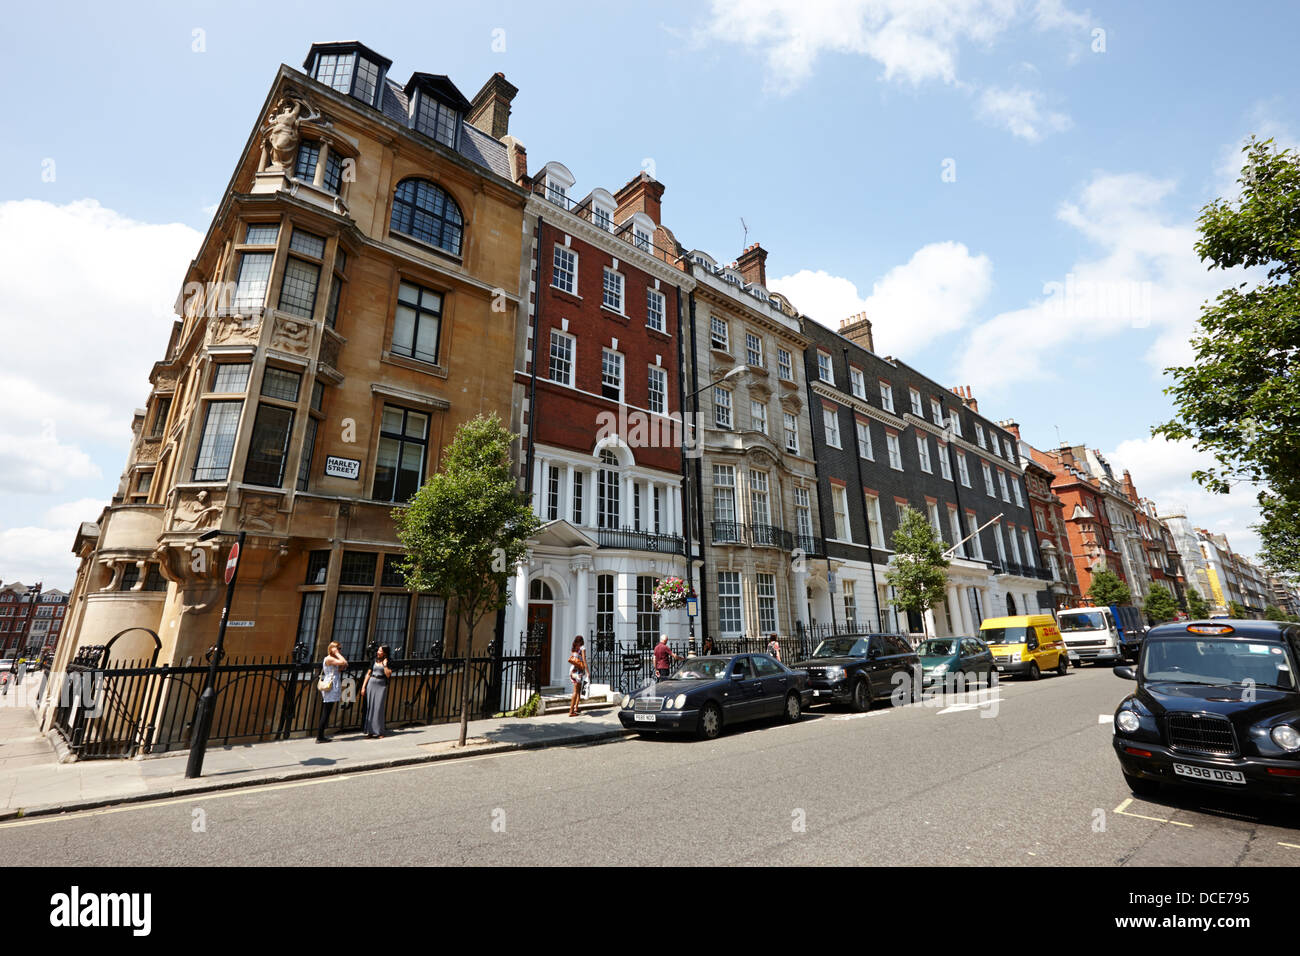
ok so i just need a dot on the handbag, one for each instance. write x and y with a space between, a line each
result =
326 682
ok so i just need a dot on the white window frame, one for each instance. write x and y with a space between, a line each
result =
784 365
831 425
917 408
825 368
655 373
886 396
857 383
758 416
571 270
895 450
716 323
923 452
655 303
558 337
754 349
791 424
988 478
622 374
963 470
840 513
865 448
722 403
605 291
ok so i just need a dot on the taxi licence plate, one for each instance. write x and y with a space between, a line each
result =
1209 773
644 718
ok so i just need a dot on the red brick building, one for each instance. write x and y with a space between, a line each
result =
1092 542
1048 512
27 626
598 375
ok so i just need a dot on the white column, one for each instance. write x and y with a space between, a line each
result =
539 487
799 610
965 611
519 608
582 571
566 501
625 606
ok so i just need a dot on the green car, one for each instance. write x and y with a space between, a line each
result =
942 658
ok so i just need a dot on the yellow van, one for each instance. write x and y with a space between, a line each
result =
1026 644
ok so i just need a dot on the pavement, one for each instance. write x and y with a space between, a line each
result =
1025 777
33 781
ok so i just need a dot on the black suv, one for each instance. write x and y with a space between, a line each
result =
1216 706
856 670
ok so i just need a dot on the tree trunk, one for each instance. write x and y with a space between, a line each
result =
464 678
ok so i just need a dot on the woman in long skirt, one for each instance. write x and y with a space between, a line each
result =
373 692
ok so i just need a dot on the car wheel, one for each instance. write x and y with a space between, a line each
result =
1062 664
1033 672
793 708
860 699
710 721
1142 786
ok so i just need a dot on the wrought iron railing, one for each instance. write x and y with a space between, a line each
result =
625 231
730 532
770 536
632 540
123 708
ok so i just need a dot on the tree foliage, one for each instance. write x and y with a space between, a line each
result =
1240 401
918 572
467 527
1274 613
1108 588
1197 607
1160 605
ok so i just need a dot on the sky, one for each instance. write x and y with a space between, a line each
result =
1009 189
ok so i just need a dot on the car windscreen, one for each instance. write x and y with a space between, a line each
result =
701 668
1005 635
842 647
935 648
1184 661
1091 621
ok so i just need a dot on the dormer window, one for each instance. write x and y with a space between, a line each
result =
349 68
602 218
436 120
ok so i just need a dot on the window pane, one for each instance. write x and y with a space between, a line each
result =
425 212
417 425
308 451
278 383
218 442
231 378
390 622
318 566
254 274
262 233
269 446
392 576
430 612
351 615
308 159
309 619
307 243
358 568
386 469
298 293
411 472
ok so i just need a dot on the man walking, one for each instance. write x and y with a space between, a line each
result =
664 657
774 647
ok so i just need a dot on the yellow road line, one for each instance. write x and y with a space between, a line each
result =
1122 811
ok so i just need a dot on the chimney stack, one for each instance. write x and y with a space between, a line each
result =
517 157
752 265
489 111
640 194
857 329
1013 427
963 392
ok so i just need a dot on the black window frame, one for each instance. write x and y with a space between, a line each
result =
408 201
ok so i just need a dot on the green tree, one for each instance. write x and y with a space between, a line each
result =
1160 605
1240 401
1196 605
918 572
1272 613
1237 610
465 529
1108 588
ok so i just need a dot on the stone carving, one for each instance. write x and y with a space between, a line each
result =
194 512
233 330
149 450
281 136
292 335
259 513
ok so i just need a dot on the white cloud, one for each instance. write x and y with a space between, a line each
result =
44 552
1144 275
1162 471
41 464
934 293
914 41
1021 112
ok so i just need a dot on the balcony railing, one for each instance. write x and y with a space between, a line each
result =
809 545
623 231
630 539
730 532
770 536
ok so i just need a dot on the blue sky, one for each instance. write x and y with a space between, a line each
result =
827 126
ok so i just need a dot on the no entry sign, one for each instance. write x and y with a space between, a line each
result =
232 562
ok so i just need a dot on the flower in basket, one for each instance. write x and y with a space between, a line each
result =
670 594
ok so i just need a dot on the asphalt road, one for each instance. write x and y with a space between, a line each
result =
1027 778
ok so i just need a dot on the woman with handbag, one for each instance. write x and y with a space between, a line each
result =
377 683
577 672
330 686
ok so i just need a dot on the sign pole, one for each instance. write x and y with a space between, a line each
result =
208 699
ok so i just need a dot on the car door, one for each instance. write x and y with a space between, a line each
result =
878 667
775 681
981 657
745 690
901 656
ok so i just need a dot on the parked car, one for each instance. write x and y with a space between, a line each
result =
942 658
7 664
1216 706
705 694
1026 644
859 670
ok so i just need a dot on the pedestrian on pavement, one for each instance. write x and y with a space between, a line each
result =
708 647
331 670
774 647
664 657
377 683
577 672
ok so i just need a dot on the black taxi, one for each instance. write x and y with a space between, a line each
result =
1216 705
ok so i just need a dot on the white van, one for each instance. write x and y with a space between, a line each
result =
1090 634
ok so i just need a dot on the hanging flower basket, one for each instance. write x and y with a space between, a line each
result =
671 594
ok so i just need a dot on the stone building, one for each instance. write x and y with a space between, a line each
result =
351 304
1049 525
754 478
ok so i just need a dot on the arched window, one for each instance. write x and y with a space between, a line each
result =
607 504
424 211
1011 606
539 590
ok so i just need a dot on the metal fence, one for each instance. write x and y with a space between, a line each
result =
126 708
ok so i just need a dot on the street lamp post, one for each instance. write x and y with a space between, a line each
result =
208 699
686 491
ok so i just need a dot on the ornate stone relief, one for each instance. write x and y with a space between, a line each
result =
291 335
260 513
233 330
194 511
